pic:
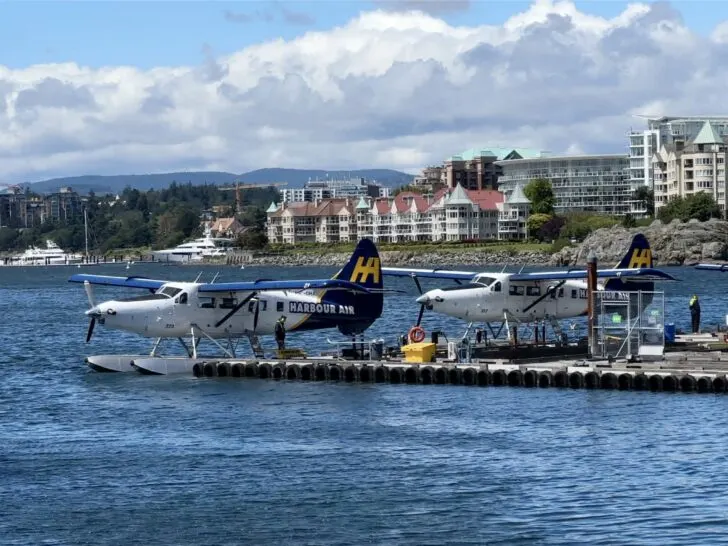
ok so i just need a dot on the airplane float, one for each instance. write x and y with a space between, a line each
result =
350 301
528 297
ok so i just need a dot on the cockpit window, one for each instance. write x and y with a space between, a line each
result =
182 299
170 291
482 279
462 287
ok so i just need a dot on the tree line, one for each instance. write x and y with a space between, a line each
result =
545 225
143 219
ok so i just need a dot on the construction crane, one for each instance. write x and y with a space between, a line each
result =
238 187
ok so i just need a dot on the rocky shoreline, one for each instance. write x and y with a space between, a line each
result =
397 258
676 243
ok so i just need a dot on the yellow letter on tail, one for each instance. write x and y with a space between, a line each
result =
361 272
641 257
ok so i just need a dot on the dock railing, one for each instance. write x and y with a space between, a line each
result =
628 324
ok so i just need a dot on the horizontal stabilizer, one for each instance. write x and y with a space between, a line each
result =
634 274
128 282
712 267
428 273
313 284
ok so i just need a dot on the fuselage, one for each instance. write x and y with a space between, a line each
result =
489 297
176 307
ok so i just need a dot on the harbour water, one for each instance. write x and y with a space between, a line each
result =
101 459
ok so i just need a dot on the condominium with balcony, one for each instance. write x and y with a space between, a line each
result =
663 131
688 166
450 215
581 183
478 168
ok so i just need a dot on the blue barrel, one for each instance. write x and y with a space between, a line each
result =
669 333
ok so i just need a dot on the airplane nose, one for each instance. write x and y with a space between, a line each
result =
93 312
424 298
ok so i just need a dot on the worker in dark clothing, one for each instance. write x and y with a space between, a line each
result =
280 333
695 313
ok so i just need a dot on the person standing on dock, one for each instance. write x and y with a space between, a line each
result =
695 313
280 333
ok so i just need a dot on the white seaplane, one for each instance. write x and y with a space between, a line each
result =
350 301
530 297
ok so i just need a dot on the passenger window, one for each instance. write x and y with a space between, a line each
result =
573 294
533 291
182 300
207 303
251 306
561 292
228 303
497 287
279 306
515 290
263 305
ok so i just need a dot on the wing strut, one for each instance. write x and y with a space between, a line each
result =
235 309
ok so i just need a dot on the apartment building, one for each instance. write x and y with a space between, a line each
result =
684 167
452 214
316 190
581 183
479 169
663 131
24 210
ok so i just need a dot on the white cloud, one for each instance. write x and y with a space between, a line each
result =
388 89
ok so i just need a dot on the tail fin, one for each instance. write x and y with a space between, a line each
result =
365 269
639 255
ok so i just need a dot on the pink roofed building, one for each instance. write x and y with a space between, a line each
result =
452 214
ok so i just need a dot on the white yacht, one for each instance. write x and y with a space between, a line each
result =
195 251
51 255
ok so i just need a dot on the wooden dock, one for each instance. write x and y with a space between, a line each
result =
704 372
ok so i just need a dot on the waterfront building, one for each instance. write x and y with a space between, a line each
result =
663 131
687 166
478 168
581 183
316 190
451 214
24 210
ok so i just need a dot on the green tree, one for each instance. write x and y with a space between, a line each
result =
628 221
253 239
699 206
646 197
535 223
541 195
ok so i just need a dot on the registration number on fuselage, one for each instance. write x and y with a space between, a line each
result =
311 308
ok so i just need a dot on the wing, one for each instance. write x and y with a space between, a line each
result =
128 282
713 267
429 273
634 274
259 286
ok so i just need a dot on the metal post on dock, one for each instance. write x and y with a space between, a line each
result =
591 287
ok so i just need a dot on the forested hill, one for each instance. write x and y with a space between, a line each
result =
156 218
295 178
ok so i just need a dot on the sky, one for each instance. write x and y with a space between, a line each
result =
139 87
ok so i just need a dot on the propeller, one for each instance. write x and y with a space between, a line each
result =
422 300
92 303
255 317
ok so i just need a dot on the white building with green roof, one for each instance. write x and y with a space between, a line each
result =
685 168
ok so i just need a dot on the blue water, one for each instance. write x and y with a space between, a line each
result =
88 458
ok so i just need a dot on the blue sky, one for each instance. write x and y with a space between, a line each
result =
164 33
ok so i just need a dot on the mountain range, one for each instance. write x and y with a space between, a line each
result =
295 178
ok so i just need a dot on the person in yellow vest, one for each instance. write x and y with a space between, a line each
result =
695 313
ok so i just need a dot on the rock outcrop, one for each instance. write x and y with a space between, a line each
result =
676 243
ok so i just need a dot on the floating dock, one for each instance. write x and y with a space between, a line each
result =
678 372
